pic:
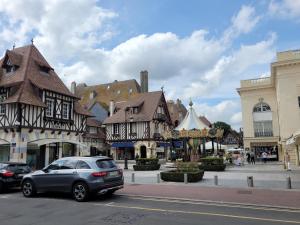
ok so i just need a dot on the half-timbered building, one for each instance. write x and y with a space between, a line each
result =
40 119
135 126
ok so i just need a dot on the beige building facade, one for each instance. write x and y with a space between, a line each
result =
271 109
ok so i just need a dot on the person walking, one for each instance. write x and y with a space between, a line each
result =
252 157
287 159
248 157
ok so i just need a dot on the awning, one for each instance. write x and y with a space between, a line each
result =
163 144
178 144
122 144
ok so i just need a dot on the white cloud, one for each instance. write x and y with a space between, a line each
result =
227 111
285 9
199 64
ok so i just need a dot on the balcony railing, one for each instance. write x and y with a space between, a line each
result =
256 82
263 134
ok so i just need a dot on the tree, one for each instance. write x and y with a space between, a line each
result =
222 125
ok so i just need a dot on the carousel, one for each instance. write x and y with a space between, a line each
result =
195 135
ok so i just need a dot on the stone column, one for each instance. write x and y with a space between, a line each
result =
47 155
60 150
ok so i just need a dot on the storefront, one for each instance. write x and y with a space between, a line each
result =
162 149
122 150
270 148
4 153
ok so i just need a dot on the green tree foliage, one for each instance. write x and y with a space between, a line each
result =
222 125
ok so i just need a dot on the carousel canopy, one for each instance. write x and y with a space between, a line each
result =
191 121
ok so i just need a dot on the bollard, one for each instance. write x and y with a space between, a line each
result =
185 178
126 164
132 178
158 178
216 180
250 181
288 183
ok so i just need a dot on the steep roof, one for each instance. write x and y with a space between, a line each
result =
177 110
28 76
116 91
205 121
148 102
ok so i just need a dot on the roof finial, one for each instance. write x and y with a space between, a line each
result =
162 88
191 103
14 45
32 41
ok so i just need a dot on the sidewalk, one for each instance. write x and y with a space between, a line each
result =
268 176
276 198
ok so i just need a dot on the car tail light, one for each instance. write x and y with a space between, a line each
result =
99 174
6 173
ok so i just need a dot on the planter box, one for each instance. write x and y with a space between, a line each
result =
178 176
146 167
212 167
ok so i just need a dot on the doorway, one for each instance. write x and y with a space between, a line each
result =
143 151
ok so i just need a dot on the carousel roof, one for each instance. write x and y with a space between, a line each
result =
191 121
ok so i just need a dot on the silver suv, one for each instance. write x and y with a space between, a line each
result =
81 176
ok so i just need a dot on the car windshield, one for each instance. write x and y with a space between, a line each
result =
106 164
3 165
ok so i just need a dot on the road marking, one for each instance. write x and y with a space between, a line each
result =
201 213
216 204
5 196
221 203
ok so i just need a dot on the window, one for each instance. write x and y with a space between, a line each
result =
44 70
263 129
130 90
262 107
116 128
50 107
106 164
2 106
118 92
65 110
299 101
82 165
93 130
132 127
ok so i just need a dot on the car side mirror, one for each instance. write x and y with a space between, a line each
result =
45 170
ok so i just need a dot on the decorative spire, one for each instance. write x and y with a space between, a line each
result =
191 103
14 45
32 41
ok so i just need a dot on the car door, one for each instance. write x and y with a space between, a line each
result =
66 175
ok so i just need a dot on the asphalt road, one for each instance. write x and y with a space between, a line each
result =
60 209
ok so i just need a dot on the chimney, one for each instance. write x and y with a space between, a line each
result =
73 87
111 107
144 81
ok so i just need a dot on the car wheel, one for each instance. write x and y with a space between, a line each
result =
28 188
80 192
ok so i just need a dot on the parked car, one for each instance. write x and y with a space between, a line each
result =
11 174
80 176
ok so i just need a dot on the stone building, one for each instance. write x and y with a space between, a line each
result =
271 109
40 119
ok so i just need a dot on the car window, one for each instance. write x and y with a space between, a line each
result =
82 165
3 166
106 164
68 164
56 164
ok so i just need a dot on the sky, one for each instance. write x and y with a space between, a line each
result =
197 50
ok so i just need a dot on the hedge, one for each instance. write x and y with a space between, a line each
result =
212 164
143 164
146 167
178 176
146 161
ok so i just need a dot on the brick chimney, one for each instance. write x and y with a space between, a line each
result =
73 87
144 81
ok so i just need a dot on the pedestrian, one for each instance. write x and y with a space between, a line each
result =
248 157
252 157
137 156
264 156
287 159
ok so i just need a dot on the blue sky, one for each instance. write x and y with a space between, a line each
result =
195 49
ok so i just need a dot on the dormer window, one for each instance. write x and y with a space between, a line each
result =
118 92
44 70
2 106
130 90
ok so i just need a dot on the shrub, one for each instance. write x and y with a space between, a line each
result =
178 176
187 167
212 164
146 167
143 164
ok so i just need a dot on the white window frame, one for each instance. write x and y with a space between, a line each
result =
66 114
116 128
2 106
50 107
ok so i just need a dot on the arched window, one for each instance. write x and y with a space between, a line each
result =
261 107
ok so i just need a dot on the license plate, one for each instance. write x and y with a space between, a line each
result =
113 174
